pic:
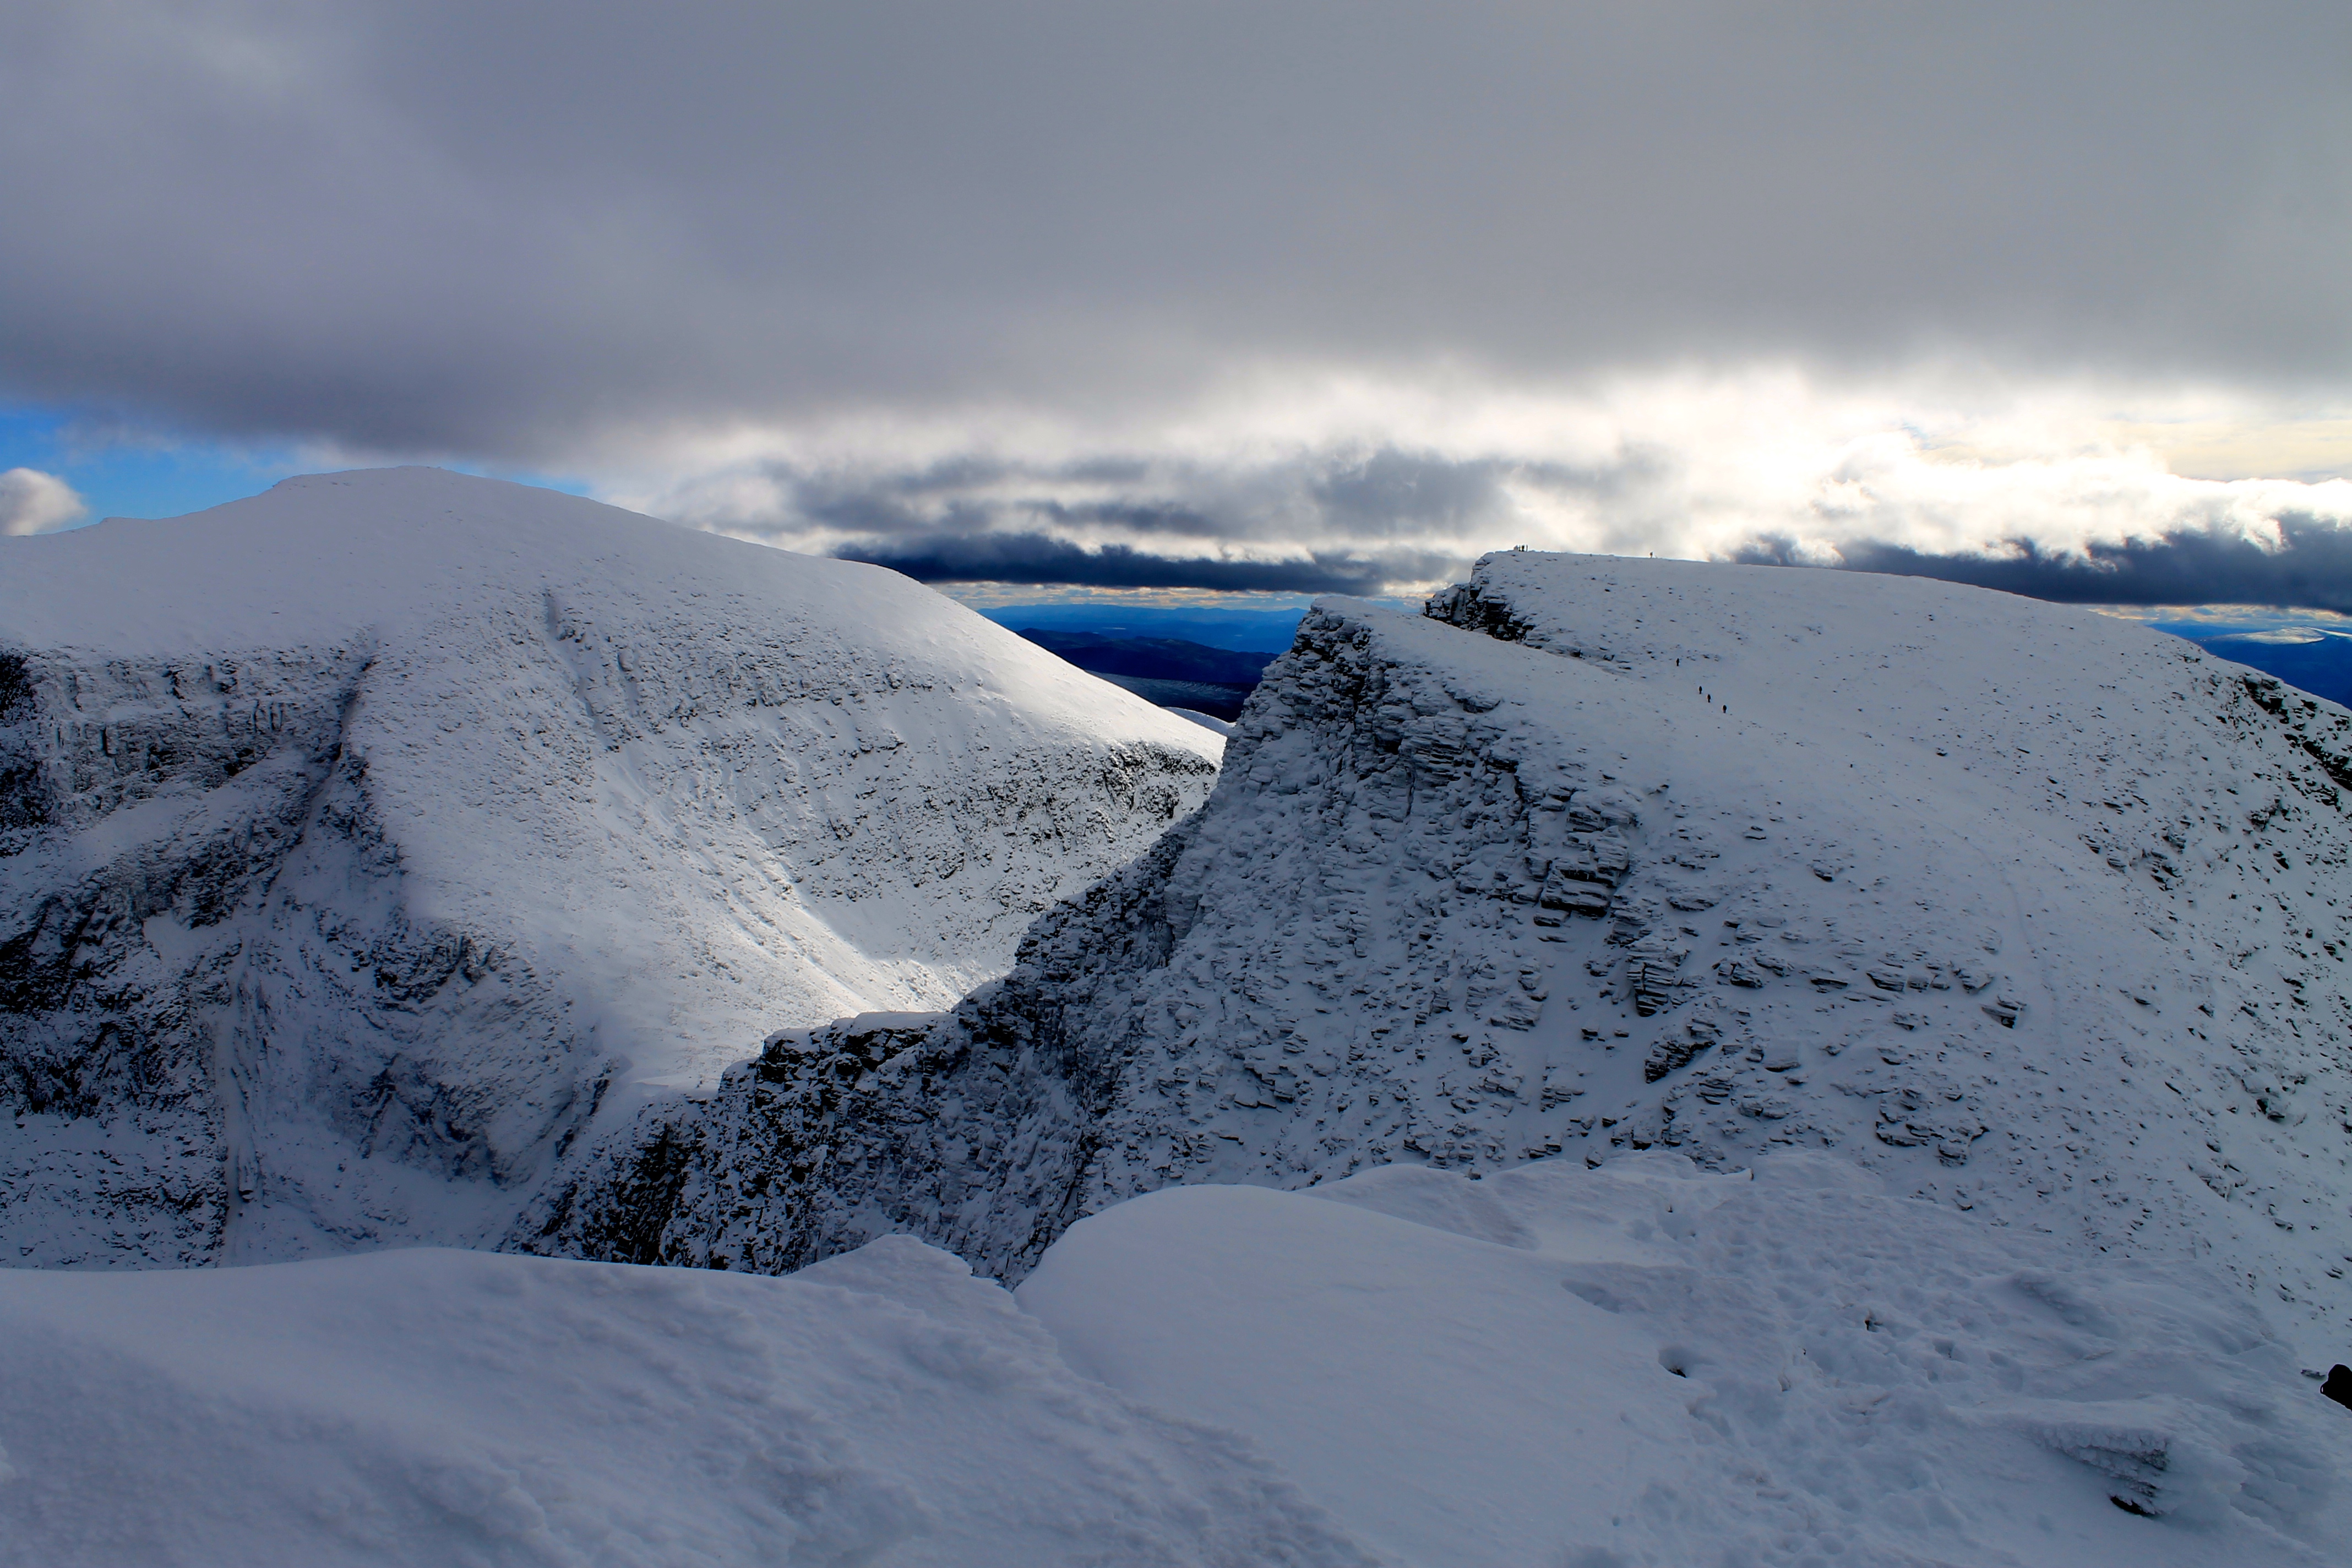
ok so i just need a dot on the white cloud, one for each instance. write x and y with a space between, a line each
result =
33 502
1414 477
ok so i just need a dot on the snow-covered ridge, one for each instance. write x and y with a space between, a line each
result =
361 842
1641 1365
2033 912
1834 1069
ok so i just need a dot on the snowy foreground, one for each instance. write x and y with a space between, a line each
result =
1550 1368
364 843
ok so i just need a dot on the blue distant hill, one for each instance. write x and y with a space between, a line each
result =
2318 661
1268 632
1170 671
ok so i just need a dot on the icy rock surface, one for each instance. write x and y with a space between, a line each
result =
2036 914
363 842
438 1408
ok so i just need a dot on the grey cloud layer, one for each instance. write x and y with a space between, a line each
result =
1351 522
1383 520
1041 558
515 232
2311 567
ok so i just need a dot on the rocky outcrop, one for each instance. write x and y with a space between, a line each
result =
974 1127
118 971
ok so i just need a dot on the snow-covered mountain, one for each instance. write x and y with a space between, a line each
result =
1766 1067
2035 914
362 843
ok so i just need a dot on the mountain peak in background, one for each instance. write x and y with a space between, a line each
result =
363 842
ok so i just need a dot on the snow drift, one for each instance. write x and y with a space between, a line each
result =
431 1408
362 842
1641 1365
1647 1364
2035 914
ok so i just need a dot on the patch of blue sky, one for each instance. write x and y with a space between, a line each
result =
129 472
2195 621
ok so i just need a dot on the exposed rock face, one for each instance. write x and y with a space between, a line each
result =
116 983
2035 912
358 843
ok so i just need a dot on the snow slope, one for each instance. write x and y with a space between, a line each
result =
441 1409
362 843
1648 1364
1639 1366
2035 914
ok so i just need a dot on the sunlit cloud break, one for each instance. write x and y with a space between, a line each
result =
33 502
1351 486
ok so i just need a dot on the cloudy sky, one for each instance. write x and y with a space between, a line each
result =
1296 297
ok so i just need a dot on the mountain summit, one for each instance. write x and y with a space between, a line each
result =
361 842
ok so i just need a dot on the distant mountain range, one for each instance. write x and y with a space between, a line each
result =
1267 632
1169 671
2318 661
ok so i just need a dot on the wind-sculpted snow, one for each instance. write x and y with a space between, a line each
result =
1641 1365
433 1407
1645 1364
2037 914
360 842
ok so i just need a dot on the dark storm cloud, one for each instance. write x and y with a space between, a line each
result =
2312 569
1353 522
1041 558
1392 490
1369 493
522 232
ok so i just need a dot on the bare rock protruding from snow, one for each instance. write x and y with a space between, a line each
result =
2034 913
363 843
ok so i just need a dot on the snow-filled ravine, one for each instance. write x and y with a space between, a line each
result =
1552 1367
364 843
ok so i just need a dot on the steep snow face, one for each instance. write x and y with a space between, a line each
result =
2036 914
359 841
431 1408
